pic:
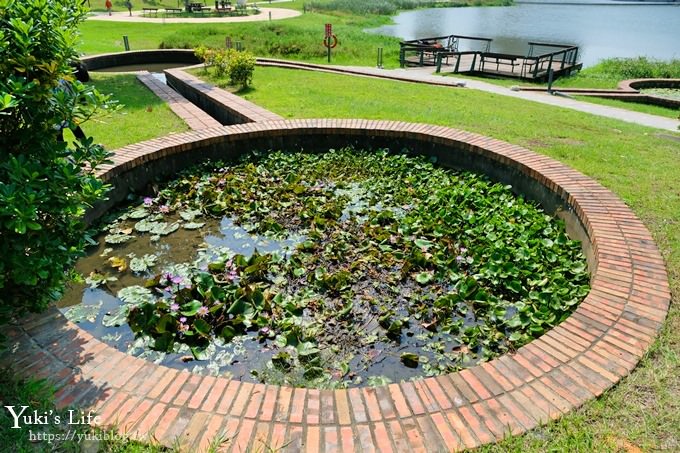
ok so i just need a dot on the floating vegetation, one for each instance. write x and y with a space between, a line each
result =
335 269
670 93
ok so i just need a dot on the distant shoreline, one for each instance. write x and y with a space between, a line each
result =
602 3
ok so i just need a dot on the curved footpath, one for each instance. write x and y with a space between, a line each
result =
425 75
416 75
162 18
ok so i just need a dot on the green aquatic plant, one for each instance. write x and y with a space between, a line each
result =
391 262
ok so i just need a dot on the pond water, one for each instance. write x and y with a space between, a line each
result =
151 67
331 270
601 30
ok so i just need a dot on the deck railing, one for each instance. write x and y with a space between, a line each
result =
535 65
426 51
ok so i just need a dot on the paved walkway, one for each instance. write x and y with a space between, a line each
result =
193 116
425 75
162 18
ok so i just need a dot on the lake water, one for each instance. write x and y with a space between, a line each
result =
600 30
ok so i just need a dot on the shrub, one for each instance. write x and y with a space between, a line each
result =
237 66
390 7
240 68
639 68
45 185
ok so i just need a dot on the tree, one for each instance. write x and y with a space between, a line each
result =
45 185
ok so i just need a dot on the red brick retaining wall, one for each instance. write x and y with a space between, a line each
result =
576 361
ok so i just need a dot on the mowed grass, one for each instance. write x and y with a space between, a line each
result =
298 38
639 164
635 106
143 115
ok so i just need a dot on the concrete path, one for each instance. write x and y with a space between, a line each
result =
426 75
644 119
162 18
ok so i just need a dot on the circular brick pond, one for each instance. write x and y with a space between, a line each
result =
597 345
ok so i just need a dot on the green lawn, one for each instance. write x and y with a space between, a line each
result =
143 114
640 164
635 106
299 38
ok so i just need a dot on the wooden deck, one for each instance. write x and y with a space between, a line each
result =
443 53
522 68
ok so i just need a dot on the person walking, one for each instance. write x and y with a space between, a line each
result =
128 4
108 5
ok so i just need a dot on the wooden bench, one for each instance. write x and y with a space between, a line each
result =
223 10
499 59
146 11
173 11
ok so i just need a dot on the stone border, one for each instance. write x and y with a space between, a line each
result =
140 57
576 361
194 117
628 90
225 107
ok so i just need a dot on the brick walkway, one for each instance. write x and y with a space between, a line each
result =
192 115
228 107
575 362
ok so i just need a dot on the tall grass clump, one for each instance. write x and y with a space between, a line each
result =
389 7
639 68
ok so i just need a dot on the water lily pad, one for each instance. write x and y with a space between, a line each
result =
143 264
97 279
136 295
106 252
409 359
164 228
190 214
193 225
145 225
118 263
139 213
424 277
112 337
117 317
117 238
82 312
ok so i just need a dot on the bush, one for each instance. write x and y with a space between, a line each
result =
240 68
237 66
390 7
45 186
639 68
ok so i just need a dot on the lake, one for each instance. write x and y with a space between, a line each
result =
600 30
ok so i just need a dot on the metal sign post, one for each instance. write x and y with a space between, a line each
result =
329 40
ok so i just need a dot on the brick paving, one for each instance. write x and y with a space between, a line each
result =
233 108
192 115
575 362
